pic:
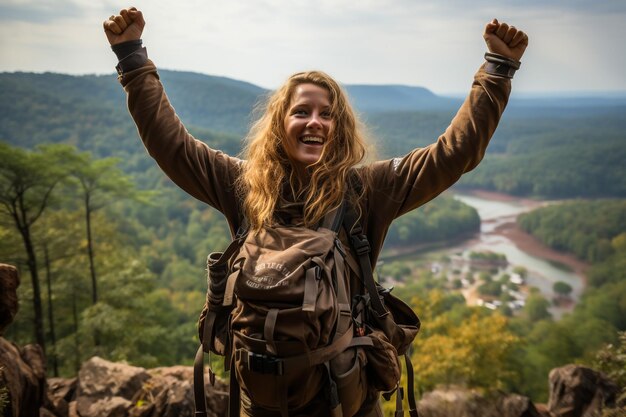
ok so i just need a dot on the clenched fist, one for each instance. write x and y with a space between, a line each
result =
126 26
505 40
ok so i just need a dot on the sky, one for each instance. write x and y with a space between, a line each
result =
575 45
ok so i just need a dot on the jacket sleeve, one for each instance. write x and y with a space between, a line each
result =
204 173
402 184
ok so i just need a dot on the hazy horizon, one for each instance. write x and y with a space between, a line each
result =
519 95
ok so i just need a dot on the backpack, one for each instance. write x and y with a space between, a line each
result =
278 309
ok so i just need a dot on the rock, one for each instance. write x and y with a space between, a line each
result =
106 388
518 405
33 355
72 410
216 398
23 369
578 391
104 407
59 395
24 376
9 281
46 413
461 402
169 393
543 410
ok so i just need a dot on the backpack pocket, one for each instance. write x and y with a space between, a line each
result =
400 326
265 383
383 364
215 316
348 369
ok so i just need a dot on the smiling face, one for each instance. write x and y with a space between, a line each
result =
308 124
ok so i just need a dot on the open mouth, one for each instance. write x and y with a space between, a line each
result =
312 140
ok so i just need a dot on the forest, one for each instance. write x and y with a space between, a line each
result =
497 349
112 255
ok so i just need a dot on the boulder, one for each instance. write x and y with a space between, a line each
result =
106 388
72 410
46 413
22 370
462 402
60 393
543 410
578 391
23 373
169 393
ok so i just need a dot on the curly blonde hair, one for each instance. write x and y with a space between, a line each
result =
267 168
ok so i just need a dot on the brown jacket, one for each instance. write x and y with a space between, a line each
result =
399 185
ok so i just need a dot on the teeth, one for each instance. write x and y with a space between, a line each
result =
312 139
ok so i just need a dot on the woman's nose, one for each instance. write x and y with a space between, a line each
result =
315 122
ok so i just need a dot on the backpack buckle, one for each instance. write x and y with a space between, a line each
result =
263 364
360 244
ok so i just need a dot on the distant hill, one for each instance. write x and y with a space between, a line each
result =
549 146
216 103
384 98
90 111
45 107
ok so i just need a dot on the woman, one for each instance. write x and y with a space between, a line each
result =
302 153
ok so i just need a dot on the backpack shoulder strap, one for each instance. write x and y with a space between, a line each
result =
334 219
361 246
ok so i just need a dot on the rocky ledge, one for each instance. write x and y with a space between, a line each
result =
108 389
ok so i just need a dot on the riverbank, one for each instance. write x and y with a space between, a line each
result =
530 203
534 247
396 253
501 234
525 241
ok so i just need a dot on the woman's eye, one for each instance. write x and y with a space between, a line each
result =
327 115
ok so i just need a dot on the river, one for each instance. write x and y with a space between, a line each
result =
499 234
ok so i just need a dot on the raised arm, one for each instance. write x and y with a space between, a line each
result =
403 184
204 173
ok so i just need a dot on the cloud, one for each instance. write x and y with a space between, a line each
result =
581 6
42 11
517 7
52 11
431 43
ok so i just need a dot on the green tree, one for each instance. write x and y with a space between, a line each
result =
58 234
563 289
461 345
476 353
101 183
27 180
536 308
613 270
547 345
493 288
